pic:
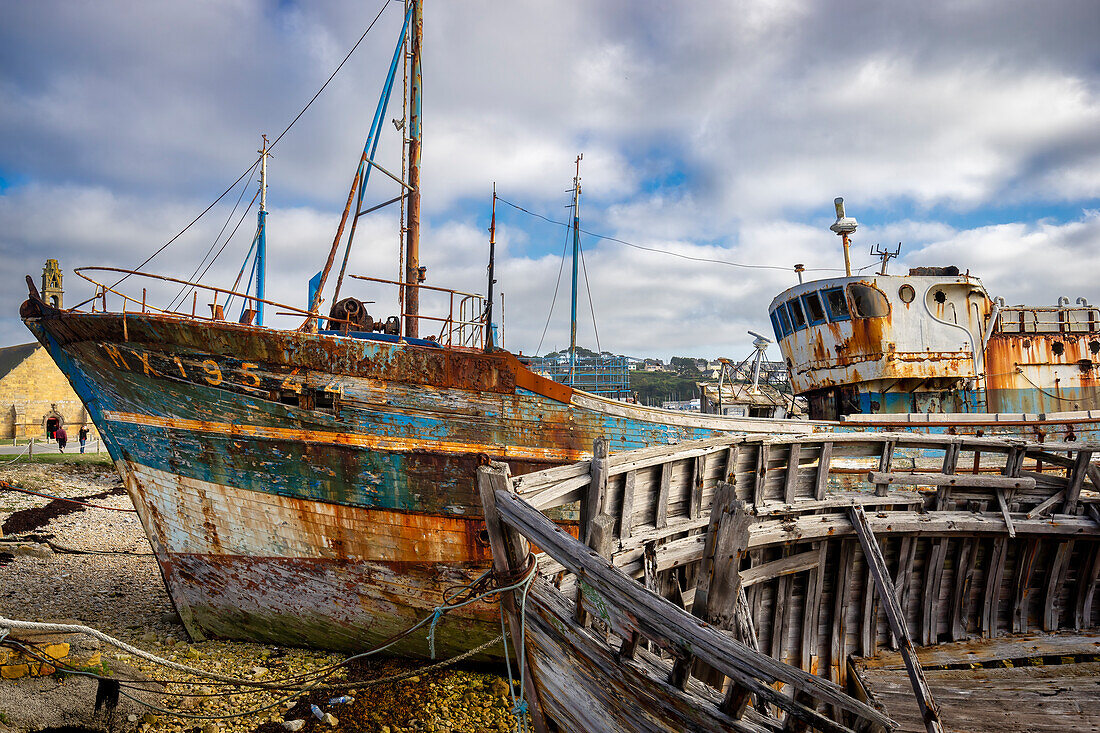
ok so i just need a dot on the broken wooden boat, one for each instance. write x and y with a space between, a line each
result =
834 582
315 486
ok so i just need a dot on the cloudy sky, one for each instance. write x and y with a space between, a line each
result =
720 131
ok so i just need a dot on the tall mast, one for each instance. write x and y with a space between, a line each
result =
576 257
492 278
261 237
412 236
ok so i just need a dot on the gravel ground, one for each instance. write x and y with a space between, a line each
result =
123 595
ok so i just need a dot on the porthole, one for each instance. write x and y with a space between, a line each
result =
906 293
940 296
1058 348
1094 346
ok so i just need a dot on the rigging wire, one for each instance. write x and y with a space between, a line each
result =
184 288
554 299
591 306
230 237
147 260
664 251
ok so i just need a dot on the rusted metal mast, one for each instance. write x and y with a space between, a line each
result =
576 257
844 226
492 275
413 274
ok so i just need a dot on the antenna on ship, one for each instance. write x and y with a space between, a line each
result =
844 226
885 254
576 257
492 262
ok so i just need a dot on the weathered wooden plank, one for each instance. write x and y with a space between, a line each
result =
994 575
1047 505
510 551
601 538
896 618
907 553
626 511
780 617
676 630
838 644
884 466
1025 566
661 512
597 487
1003 504
792 473
699 471
821 480
960 480
1056 578
1087 582
930 600
1076 480
731 464
868 627
761 474
964 576
811 608
777 568
951 457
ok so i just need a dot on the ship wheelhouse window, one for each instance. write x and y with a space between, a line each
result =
814 312
868 302
836 304
798 318
784 319
777 327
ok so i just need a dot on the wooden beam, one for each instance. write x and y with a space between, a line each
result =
929 711
1076 479
964 576
777 568
951 457
884 466
1003 504
761 474
907 553
626 511
698 473
811 609
930 600
1087 582
960 480
994 576
780 617
660 518
838 643
731 464
821 481
868 626
1056 578
791 479
1025 566
509 550
597 489
1046 505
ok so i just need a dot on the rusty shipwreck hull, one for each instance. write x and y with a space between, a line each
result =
317 489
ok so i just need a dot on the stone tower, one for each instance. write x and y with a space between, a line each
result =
52 292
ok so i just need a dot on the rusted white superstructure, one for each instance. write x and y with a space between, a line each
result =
933 341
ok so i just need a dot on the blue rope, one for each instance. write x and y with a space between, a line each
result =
431 630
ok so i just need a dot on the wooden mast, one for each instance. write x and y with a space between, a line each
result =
412 236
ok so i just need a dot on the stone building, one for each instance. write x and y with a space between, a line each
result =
35 397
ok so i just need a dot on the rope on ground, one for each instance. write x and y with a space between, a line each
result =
21 454
13 487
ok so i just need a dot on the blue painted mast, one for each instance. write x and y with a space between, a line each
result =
261 237
576 257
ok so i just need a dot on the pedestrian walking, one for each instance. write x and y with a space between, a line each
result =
83 435
62 438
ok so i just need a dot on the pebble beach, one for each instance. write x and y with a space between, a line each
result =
93 565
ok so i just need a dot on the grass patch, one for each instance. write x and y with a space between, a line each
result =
93 459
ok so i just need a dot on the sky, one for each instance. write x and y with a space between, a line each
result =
717 133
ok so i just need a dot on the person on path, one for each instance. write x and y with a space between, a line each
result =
62 438
83 435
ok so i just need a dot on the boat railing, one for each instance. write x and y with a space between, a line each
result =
463 325
188 306
1054 319
818 549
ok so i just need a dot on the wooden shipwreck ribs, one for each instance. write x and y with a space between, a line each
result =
755 583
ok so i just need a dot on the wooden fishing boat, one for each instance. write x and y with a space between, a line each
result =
316 486
837 582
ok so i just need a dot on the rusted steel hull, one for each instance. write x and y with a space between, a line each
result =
318 490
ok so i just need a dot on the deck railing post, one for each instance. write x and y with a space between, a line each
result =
510 551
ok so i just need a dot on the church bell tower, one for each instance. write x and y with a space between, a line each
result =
52 292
